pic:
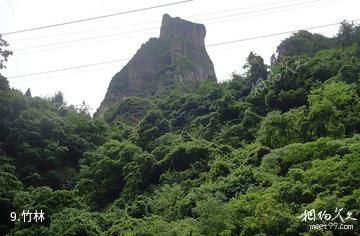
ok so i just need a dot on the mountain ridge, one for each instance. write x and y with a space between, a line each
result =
177 56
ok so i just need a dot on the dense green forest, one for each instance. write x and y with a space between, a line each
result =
243 157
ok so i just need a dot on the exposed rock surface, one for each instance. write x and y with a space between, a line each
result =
178 55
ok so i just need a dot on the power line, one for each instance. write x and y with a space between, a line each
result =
244 8
271 35
214 49
96 18
92 69
147 22
266 9
116 38
67 68
271 12
26 80
83 39
67 74
69 46
141 30
209 45
80 32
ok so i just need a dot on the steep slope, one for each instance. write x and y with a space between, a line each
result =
178 55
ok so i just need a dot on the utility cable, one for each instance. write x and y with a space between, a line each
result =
271 35
96 18
209 45
147 22
147 29
67 68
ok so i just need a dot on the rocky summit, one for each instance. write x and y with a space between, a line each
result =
177 56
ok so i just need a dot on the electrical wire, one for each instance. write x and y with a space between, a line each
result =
96 18
83 39
67 68
209 45
153 28
266 9
275 34
143 23
95 69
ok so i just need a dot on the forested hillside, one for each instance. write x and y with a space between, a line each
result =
243 157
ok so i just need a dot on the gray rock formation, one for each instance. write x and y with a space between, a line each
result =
178 55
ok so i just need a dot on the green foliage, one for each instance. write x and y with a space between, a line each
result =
303 42
255 68
260 214
280 160
239 86
331 109
9 186
214 217
71 221
4 83
166 201
46 200
4 54
241 157
28 92
277 130
183 156
111 169
153 126
155 226
348 34
130 110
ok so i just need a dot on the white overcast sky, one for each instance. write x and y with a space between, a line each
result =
120 36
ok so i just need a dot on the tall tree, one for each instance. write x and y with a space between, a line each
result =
4 54
345 35
255 68
28 93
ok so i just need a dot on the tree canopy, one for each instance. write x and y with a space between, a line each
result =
243 157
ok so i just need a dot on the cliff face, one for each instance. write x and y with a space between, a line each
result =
178 55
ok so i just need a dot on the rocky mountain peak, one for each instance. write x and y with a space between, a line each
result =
177 56
175 28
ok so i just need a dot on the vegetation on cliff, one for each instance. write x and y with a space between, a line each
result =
178 55
242 157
